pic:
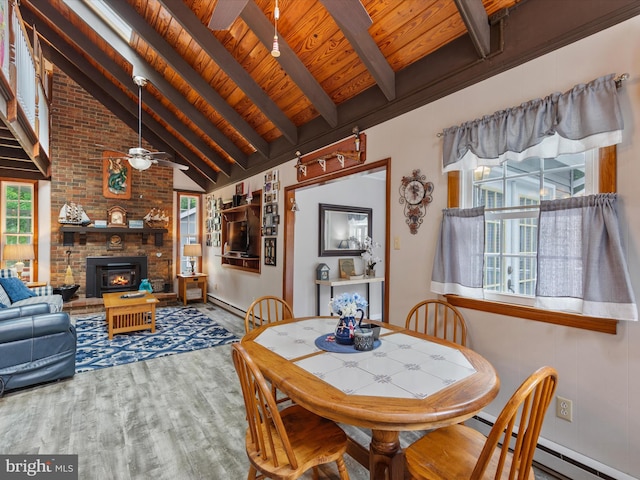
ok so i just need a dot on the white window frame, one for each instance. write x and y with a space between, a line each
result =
466 194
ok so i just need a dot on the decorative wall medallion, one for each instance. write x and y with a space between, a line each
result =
115 242
415 195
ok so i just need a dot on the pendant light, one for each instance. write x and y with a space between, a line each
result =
275 50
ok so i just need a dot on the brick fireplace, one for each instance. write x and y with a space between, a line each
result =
80 123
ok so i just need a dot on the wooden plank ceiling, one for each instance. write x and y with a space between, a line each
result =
218 101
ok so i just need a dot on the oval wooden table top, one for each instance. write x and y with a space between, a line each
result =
452 404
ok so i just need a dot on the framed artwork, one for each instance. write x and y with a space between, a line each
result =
275 185
346 267
116 181
275 219
268 209
270 251
239 188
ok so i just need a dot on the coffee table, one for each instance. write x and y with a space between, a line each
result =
129 314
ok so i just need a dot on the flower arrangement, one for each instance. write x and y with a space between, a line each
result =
369 257
347 304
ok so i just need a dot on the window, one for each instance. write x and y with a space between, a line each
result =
18 223
189 228
510 196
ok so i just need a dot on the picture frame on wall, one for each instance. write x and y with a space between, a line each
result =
270 251
116 178
347 267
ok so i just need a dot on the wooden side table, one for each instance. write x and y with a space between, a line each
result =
197 280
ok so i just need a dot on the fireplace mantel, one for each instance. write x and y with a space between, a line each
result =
69 232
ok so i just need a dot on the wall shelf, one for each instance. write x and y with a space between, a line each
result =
69 233
252 212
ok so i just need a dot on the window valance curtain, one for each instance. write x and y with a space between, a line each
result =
587 116
581 264
459 259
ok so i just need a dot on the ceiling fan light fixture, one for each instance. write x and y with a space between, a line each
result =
139 163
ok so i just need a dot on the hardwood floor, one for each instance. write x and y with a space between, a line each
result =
177 417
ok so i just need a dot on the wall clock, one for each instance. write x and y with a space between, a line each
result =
415 195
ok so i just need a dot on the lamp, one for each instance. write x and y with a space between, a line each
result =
18 252
356 134
193 250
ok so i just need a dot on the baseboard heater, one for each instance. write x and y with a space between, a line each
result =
558 460
227 306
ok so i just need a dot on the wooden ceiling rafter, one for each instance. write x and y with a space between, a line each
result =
291 63
216 51
349 15
193 78
139 66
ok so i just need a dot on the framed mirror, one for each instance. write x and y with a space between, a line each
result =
343 229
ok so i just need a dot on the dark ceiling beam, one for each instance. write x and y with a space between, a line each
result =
192 78
455 66
110 96
354 21
108 64
476 20
225 13
140 67
116 101
210 44
292 65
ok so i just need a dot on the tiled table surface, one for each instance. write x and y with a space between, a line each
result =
402 366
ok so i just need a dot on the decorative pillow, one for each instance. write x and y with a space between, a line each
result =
2 305
4 298
16 289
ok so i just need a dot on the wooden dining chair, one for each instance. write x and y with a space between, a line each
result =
284 444
459 451
266 309
439 319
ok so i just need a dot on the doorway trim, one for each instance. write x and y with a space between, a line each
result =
290 217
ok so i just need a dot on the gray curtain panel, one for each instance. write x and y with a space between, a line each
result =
459 259
587 116
581 264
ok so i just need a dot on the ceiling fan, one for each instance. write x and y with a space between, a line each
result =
140 158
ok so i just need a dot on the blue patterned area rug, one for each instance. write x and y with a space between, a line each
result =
178 330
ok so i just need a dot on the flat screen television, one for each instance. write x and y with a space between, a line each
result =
238 236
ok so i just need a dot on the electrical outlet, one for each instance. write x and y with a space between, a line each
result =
564 409
396 243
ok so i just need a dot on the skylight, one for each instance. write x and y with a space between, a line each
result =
102 8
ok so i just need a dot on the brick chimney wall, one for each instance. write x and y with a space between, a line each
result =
79 122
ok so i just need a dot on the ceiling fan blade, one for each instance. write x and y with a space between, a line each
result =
160 155
111 149
225 13
167 163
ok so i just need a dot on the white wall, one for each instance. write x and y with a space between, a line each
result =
599 372
362 191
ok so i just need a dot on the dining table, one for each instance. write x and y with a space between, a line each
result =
408 381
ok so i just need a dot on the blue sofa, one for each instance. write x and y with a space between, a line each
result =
36 346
